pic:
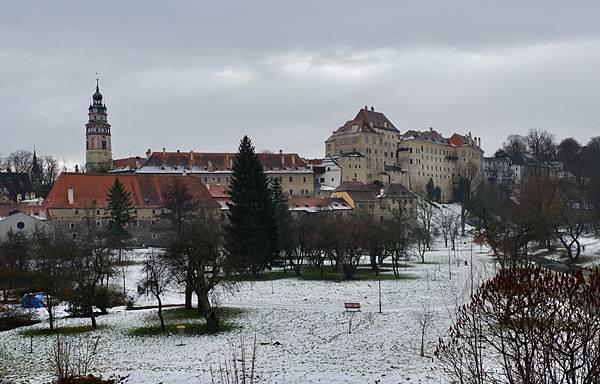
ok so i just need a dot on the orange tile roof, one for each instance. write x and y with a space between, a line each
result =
222 160
129 162
90 190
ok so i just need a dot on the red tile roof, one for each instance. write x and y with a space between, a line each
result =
365 121
90 190
31 210
222 161
129 162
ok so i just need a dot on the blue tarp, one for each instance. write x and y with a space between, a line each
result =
33 300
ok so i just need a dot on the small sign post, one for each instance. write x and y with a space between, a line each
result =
352 308
181 333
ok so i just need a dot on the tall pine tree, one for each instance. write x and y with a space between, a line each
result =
283 218
251 234
120 213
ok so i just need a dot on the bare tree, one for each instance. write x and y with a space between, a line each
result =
514 145
20 161
51 274
425 221
541 145
157 279
424 318
197 258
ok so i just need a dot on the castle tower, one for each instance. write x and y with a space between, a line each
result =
98 154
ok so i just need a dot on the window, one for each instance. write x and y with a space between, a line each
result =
72 225
76 212
153 222
20 225
291 179
291 192
74 235
304 179
98 224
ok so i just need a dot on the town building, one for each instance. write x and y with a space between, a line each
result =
98 153
297 178
77 203
327 173
395 201
319 205
20 223
15 187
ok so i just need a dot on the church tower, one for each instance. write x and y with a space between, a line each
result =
98 154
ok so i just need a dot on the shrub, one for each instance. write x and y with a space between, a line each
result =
12 316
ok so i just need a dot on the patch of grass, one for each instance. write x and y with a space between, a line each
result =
65 331
223 313
192 319
361 274
191 329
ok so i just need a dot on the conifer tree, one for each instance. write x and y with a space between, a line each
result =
283 218
251 235
119 213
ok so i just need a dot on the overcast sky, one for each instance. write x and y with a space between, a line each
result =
199 75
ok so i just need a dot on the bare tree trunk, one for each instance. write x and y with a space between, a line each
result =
189 290
212 322
160 314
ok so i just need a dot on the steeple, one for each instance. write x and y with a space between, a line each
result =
98 137
97 97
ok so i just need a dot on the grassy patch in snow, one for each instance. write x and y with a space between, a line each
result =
65 331
361 274
195 328
192 319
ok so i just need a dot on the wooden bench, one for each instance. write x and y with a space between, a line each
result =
352 307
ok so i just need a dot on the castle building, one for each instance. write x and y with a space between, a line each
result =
98 154
428 157
370 149
365 146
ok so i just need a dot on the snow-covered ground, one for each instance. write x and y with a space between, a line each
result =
301 326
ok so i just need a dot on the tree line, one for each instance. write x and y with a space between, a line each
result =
42 171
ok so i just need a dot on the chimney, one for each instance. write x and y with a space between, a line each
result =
230 163
293 160
191 156
148 153
430 129
366 107
210 166
372 109
178 151
282 158
164 151
137 162
71 195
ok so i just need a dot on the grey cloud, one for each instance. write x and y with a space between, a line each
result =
199 75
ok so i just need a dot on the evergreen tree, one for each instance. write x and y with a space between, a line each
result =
283 218
119 213
251 235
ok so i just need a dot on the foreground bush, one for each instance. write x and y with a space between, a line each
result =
527 325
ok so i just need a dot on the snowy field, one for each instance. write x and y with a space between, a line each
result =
301 326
